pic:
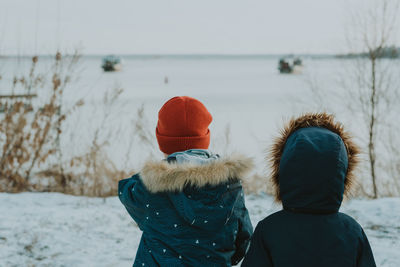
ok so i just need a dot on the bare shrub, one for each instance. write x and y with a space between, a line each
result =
372 32
93 172
369 94
32 157
29 131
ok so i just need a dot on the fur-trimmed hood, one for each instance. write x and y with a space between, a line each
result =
161 176
318 147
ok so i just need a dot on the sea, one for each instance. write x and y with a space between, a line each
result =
247 96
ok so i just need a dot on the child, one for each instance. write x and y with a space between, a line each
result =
313 163
189 206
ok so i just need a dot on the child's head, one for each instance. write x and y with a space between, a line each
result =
313 163
183 124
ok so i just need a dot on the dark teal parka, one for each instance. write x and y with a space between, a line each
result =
310 231
190 215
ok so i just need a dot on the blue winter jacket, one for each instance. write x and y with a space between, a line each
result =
190 214
310 231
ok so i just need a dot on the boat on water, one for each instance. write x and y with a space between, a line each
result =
290 65
111 63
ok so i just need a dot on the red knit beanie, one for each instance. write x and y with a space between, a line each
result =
183 124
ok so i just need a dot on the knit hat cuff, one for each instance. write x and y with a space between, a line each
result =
171 144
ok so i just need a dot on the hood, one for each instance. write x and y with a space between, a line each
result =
203 194
313 162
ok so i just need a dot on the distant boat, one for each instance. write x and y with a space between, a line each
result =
290 66
111 63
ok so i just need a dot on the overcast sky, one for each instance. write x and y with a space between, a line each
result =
173 26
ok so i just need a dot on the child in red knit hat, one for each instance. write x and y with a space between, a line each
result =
189 206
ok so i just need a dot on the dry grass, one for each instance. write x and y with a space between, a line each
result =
255 184
29 132
93 173
31 156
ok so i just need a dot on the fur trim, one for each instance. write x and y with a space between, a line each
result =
163 176
322 120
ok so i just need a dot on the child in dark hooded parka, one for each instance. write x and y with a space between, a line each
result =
189 206
313 164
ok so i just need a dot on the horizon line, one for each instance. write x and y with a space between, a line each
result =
182 55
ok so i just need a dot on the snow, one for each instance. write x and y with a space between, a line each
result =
52 229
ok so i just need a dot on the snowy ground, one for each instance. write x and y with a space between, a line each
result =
51 229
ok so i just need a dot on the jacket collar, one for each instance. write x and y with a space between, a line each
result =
162 176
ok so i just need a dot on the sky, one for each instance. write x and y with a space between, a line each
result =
173 26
